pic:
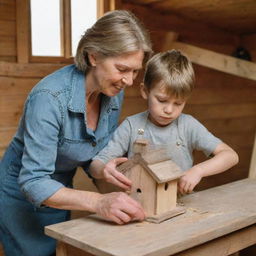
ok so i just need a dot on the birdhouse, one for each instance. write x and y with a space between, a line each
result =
154 181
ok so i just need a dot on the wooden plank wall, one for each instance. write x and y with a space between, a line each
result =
7 30
225 104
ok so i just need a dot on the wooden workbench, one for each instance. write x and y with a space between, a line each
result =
218 221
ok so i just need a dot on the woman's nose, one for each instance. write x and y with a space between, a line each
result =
128 79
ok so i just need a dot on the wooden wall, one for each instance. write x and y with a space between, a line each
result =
7 30
223 103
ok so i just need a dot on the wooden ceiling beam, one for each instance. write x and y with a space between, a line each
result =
217 61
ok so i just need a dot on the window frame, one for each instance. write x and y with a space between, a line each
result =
23 21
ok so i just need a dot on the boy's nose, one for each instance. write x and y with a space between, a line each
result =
168 109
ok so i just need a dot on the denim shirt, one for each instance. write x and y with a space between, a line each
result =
53 138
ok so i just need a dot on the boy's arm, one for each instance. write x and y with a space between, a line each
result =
224 158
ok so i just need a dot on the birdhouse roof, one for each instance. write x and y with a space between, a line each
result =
157 163
164 171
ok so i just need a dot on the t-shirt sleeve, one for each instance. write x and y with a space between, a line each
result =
119 144
199 138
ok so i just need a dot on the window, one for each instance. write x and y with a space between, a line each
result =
48 20
45 27
83 16
49 30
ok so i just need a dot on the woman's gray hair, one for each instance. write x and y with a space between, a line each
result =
115 33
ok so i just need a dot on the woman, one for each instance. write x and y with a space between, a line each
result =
68 118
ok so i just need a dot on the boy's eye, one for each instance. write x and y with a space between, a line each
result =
161 100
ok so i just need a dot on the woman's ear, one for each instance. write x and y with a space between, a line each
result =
143 91
92 59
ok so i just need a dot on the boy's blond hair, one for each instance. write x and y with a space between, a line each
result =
173 71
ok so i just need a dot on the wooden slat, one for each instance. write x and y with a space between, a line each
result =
7 46
234 125
208 95
23 28
221 111
106 5
27 70
200 111
7 10
242 139
7 28
217 61
15 86
223 95
8 58
66 29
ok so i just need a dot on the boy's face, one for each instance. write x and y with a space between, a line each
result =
163 108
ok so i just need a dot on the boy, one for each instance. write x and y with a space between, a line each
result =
168 83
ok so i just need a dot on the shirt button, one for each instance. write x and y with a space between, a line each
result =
178 143
94 143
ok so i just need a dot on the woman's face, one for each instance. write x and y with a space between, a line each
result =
110 75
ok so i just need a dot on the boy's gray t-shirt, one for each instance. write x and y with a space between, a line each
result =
180 138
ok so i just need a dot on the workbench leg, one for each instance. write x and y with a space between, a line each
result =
61 249
252 170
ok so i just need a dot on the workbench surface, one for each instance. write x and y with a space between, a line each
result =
210 214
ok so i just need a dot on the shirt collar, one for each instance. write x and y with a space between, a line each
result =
76 101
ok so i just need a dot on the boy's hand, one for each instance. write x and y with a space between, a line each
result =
115 177
188 181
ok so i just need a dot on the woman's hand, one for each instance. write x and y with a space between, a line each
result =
189 180
112 175
119 207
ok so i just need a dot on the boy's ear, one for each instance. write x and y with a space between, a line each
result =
92 58
143 91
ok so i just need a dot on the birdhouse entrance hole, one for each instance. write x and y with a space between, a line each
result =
166 185
138 190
